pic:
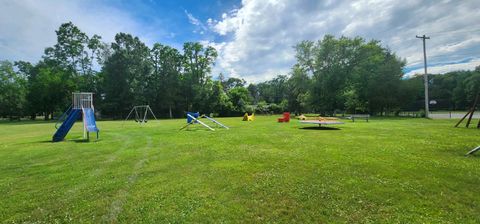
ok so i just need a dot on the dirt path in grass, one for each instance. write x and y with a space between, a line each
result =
117 205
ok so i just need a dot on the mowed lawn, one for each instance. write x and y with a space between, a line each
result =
387 170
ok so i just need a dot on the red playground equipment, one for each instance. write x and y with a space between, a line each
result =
285 118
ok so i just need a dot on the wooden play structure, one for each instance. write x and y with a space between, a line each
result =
247 117
470 114
285 118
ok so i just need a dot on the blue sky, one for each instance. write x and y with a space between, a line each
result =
170 22
254 38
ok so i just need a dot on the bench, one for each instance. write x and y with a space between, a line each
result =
361 116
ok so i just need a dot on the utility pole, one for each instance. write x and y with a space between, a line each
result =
425 77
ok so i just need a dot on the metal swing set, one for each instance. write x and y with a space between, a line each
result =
140 112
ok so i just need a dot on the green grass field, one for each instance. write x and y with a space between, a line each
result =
387 171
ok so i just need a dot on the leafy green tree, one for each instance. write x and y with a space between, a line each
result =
197 62
254 92
49 89
240 98
233 82
70 50
345 66
164 84
332 73
126 74
472 86
220 101
66 67
262 107
334 61
411 90
299 84
305 55
12 91
275 90
377 78
352 102
452 91
27 70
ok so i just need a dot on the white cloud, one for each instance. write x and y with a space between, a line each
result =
27 27
255 41
192 19
261 33
442 69
200 27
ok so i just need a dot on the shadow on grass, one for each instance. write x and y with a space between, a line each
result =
26 122
321 128
43 141
81 140
196 129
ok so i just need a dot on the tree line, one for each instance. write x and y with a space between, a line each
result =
351 75
330 75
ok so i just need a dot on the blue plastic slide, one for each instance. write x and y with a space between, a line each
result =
89 120
66 125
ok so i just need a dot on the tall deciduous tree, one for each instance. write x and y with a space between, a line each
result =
70 50
334 60
240 98
299 85
377 78
197 66
127 73
349 72
12 91
164 84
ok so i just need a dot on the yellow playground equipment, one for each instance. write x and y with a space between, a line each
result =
247 117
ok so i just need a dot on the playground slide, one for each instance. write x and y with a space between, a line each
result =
66 125
89 119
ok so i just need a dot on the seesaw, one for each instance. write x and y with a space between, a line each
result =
321 122
194 118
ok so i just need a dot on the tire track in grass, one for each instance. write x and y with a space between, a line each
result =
71 193
68 200
116 206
